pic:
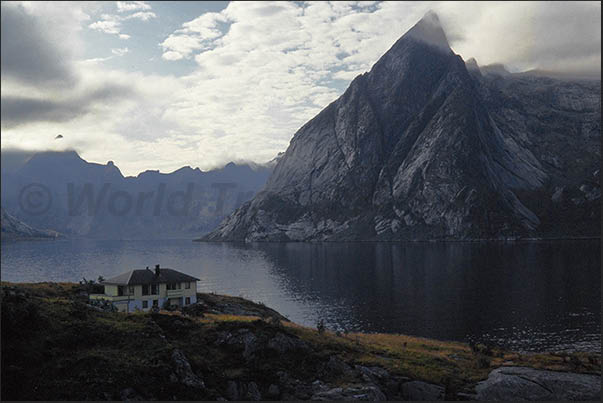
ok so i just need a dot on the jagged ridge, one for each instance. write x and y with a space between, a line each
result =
417 148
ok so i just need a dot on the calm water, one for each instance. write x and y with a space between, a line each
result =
531 296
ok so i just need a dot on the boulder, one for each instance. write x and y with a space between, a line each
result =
284 343
243 338
253 392
130 394
372 374
352 392
520 383
274 391
184 371
419 390
336 367
232 390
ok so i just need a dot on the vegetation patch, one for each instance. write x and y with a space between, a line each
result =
57 347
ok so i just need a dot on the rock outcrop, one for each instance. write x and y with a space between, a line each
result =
518 383
421 148
82 354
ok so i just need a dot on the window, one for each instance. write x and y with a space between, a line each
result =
154 289
187 285
120 290
155 302
131 290
145 304
173 286
187 301
145 289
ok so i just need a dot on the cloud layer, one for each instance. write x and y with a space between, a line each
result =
262 70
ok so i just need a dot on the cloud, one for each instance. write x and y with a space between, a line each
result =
109 24
44 85
141 15
112 23
29 54
264 69
180 46
261 71
18 110
126 6
171 55
195 35
119 51
558 36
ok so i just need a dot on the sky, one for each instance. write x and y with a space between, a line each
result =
161 85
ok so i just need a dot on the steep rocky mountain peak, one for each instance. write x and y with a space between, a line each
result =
429 30
419 148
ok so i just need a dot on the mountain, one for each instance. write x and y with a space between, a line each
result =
15 229
79 198
419 148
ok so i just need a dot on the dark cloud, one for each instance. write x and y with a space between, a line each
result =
28 54
17 110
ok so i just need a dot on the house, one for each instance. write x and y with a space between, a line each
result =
143 289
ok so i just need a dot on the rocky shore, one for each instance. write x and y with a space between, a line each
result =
57 347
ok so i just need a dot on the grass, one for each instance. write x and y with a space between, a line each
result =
55 348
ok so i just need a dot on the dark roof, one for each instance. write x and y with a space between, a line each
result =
147 276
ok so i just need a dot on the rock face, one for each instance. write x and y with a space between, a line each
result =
184 373
517 383
12 228
421 148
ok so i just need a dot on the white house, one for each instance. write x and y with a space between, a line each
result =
145 288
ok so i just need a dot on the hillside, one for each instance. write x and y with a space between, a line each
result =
56 347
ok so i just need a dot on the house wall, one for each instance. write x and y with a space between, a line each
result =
163 290
111 290
137 298
191 292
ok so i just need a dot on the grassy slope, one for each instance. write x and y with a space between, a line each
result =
55 348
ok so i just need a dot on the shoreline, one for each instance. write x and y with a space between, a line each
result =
231 348
484 240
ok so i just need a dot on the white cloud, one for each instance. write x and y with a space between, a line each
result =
119 51
183 45
112 23
264 69
108 24
194 35
171 55
141 15
126 6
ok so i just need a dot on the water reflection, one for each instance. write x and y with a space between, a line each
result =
528 296
525 295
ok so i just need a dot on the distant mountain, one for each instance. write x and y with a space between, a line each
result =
13 229
420 148
96 200
501 70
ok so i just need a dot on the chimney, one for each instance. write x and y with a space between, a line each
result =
157 270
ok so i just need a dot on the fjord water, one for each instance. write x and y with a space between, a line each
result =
528 296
